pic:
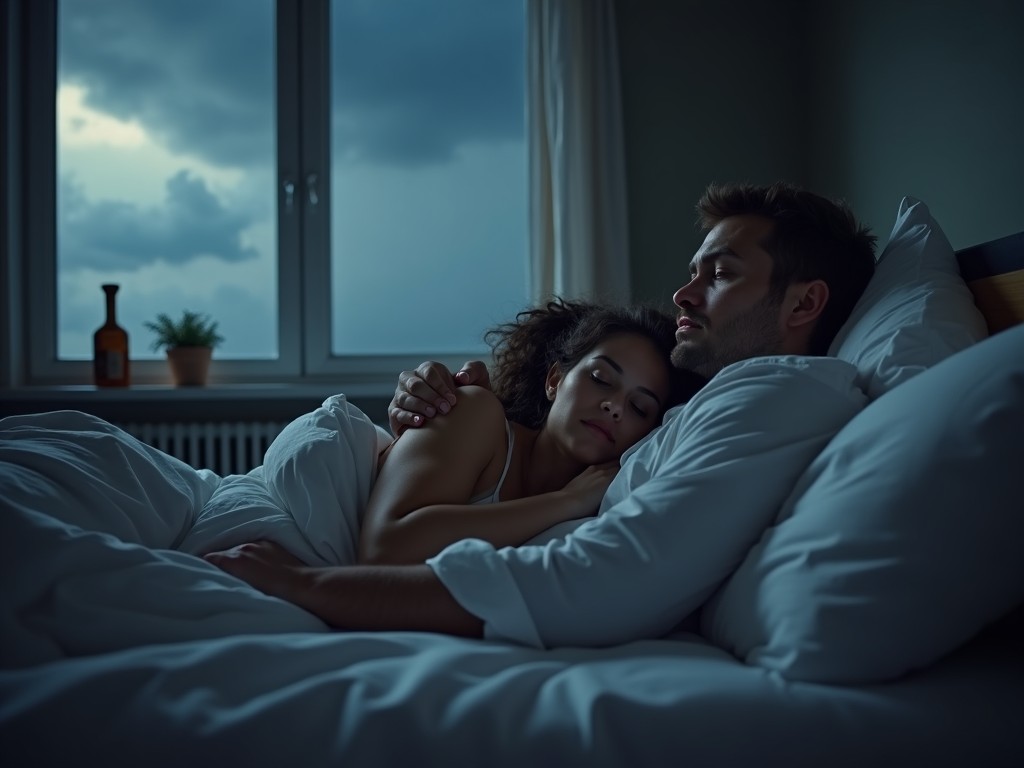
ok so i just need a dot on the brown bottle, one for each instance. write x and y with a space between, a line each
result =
110 348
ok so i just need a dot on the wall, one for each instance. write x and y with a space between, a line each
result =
711 92
922 98
867 100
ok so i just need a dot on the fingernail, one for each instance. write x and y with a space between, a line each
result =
451 397
430 412
444 407
416 419
461 375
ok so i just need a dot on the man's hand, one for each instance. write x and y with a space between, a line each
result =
429 390
354 597
263 564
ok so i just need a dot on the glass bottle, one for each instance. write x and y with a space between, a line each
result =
110 347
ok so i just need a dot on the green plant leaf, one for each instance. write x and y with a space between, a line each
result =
192 330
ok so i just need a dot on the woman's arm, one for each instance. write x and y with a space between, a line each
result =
419 502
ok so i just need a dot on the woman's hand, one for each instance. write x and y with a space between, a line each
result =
264 565
430 389
589 486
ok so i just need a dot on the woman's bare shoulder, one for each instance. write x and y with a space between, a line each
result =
481 397
478 407
478 413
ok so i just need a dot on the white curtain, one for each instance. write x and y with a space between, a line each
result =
577 180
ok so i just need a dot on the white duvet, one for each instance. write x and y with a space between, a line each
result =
100 532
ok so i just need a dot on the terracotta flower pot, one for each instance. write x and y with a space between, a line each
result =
189 365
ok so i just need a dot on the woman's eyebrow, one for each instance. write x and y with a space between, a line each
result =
618 368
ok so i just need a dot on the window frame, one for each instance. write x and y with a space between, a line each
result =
29 250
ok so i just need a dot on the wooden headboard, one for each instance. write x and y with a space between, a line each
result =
994 271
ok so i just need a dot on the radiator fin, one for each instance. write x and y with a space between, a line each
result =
227 448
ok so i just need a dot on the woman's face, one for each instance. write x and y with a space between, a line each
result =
610 399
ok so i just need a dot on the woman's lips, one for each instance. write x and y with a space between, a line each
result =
593 425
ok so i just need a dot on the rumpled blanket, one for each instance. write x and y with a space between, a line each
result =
101 533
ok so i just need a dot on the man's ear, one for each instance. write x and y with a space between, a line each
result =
806 301
553 379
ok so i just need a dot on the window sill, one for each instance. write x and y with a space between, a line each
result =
219 402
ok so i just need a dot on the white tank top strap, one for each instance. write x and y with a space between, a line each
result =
492 496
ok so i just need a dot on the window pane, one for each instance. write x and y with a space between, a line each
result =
166 169
428 173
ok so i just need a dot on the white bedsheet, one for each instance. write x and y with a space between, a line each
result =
420 699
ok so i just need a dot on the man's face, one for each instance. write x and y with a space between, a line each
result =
726 311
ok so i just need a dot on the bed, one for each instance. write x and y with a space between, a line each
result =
878 619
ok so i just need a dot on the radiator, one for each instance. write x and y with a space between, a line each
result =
228 448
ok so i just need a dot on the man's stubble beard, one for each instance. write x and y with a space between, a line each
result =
753 333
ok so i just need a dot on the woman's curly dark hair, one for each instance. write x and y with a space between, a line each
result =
563 332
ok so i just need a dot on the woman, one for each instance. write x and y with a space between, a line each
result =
574 385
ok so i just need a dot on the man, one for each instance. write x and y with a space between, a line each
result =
778 273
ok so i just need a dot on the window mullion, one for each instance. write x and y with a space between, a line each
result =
289 172
40 187
314 188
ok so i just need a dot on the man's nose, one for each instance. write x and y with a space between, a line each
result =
687 295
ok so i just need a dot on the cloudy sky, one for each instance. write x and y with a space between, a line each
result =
166 163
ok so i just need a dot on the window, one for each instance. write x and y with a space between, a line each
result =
341 185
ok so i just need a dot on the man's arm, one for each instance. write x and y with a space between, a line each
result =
362 597
429 390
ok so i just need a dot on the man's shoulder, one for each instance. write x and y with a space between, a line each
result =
775 393
779 386
832 371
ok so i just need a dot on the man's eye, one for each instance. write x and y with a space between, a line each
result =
721 274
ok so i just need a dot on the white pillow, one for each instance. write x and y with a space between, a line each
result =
901 540
915 311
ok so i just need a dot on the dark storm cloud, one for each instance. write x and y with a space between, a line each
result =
114 235
198 74
190 71
413 80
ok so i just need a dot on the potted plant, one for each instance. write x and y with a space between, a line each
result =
189 343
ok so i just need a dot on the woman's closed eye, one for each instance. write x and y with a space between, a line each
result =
638 409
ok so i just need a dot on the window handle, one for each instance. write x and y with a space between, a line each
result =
289 195
311 190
